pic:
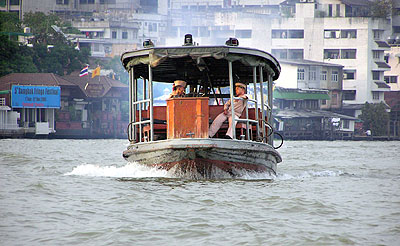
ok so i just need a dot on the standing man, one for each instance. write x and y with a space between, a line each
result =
178 89
240 90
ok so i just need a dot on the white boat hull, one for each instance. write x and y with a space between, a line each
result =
199 157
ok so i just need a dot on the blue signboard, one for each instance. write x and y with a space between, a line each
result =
35 96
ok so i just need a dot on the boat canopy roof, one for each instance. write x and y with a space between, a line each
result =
198 63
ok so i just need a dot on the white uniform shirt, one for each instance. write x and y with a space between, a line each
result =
239 105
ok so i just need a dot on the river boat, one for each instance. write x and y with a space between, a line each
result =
175 137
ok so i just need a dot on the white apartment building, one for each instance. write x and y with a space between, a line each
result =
311 75
392 77
322 30
328 31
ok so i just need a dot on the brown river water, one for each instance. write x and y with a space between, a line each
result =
82 192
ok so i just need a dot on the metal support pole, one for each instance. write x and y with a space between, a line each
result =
232 102
270 119
262 104
151 103
132 99
255 98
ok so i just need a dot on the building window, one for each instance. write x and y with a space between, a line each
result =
280 53
349 95
375 95
349 74
243 33
296 33
335 76
346 124
331 33
279 34
348 53
287 33
377 34
114 34
300 74
312 74
337 10
348 34
376 75
391 79
64 2
386 58
324 75
296 54
377 54
331 54
323 102
124 35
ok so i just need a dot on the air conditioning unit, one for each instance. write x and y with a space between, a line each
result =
310 1
303 1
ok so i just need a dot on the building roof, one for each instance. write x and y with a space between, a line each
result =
392 98
356 2
304 113
43 79
297 94
94 87
309 62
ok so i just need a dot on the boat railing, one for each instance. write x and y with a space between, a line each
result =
138 122
259 122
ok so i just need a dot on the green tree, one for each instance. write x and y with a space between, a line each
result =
53 53
9 22
381 8
41 26
15 58
375 118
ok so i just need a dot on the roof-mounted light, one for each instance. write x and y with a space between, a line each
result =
148 43
232 42
188 40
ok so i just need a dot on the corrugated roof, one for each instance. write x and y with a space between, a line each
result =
303 113
301 95
44 79
309 62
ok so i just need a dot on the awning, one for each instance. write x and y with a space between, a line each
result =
382 44
296 95
4 92
382 85
382 64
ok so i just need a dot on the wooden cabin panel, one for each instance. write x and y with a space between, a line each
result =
187 117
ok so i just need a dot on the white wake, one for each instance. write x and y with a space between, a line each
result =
130 170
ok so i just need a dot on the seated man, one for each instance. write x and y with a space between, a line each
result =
240 90
178 89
